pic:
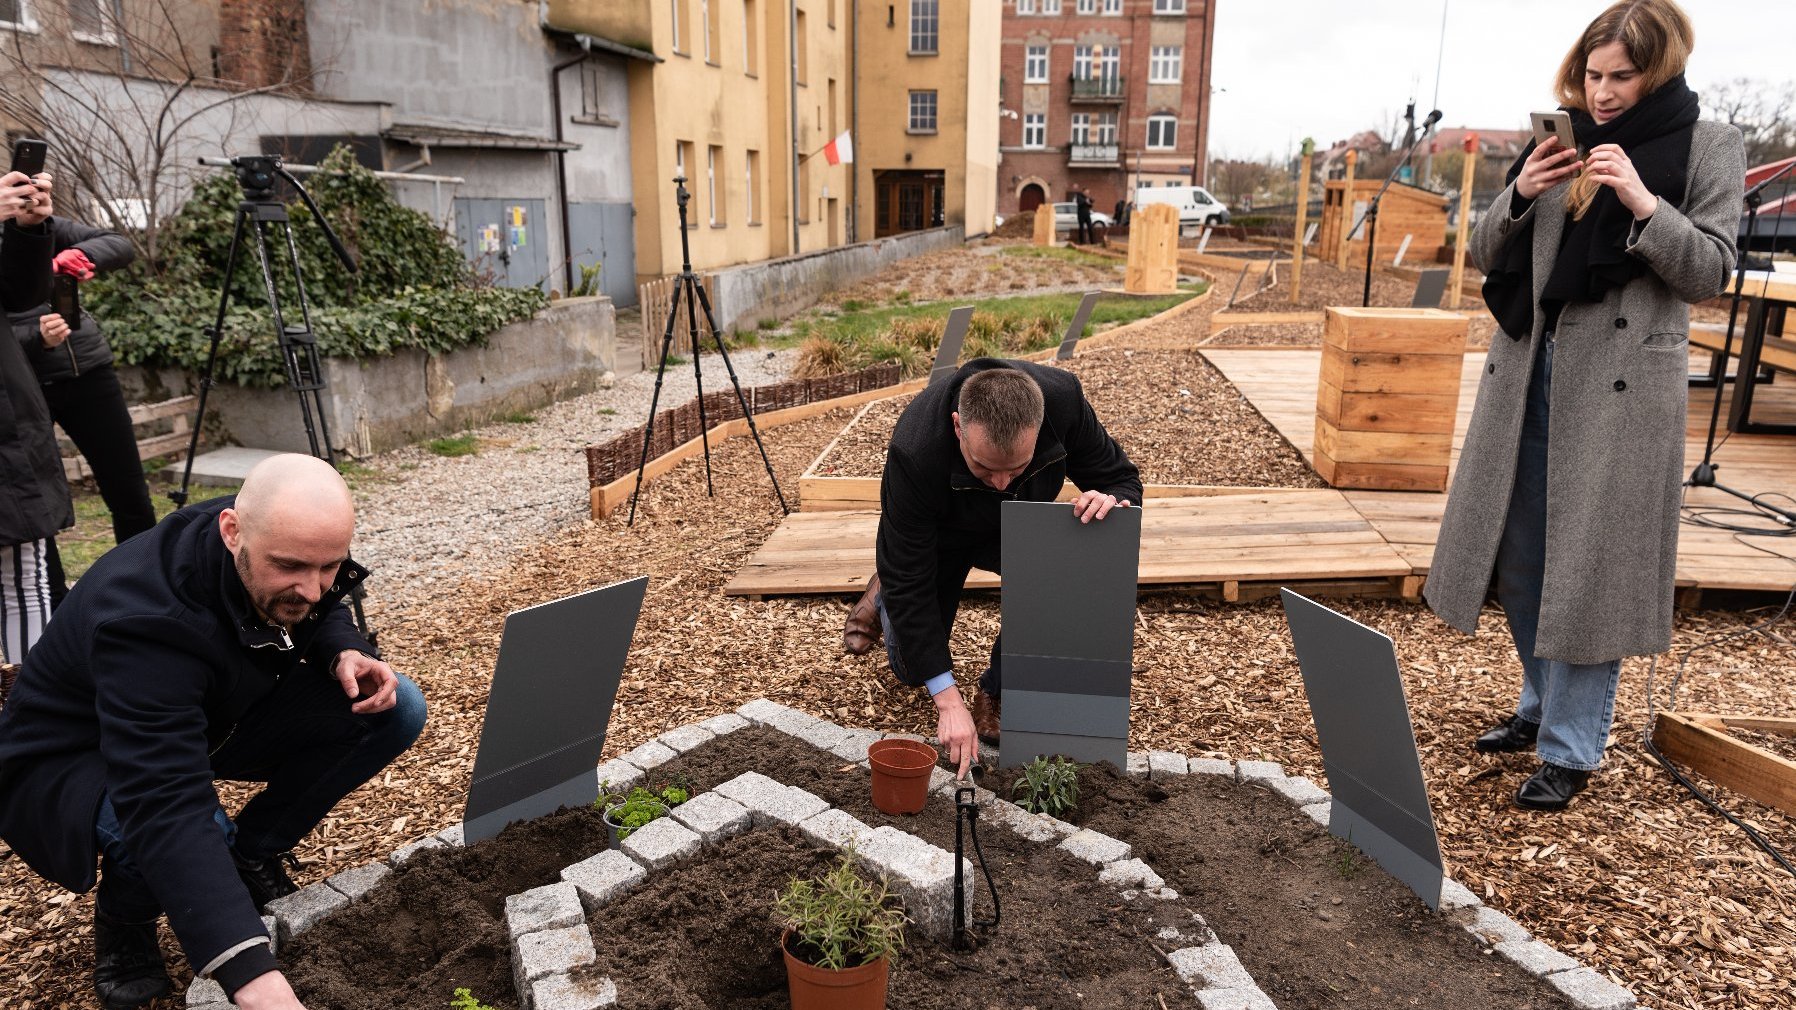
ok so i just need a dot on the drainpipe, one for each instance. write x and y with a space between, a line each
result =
792 87
124 40
567 243
854 124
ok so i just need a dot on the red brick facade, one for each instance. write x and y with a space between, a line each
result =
1110 175
263 43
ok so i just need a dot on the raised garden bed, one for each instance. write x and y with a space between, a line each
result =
1089 919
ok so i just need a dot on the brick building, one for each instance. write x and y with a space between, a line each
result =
1105 94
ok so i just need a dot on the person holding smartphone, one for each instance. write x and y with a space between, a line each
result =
34 495
1569 483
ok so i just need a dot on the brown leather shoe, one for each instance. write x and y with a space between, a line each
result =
861 632
986 712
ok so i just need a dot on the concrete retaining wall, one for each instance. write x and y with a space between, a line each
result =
376 404
774 289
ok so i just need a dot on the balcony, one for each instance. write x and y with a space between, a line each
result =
1092 155
1098 90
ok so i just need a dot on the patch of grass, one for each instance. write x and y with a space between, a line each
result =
768 324
608 411
901 298
853 305
675 359
465 444
91 536
1063 254
516 417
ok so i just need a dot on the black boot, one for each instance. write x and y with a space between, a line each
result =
128 969
1512 734
265 878
1551 788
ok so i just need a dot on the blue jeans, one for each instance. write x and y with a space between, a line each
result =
309 749
1573 703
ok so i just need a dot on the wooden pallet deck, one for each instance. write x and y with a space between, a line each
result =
1228 541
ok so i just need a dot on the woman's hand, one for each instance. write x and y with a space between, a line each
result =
41 206
53 329
1609 165
1551 164
16 195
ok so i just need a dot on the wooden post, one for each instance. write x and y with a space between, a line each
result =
1044 224
1465 218
1153 266
1303 212
1346 228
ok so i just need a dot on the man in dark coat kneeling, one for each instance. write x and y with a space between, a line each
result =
217 645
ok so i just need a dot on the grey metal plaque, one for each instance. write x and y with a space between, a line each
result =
1429 289
947 354
1073 331
553 687
1368 744
1069 632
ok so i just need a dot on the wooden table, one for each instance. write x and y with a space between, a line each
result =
1767 297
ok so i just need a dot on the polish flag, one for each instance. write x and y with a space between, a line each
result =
840 150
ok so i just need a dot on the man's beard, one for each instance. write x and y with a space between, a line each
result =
271 607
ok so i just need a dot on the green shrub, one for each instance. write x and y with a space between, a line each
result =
641 806
464 1000
842 920
1047 787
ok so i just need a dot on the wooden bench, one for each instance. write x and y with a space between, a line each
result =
1777 352
175 411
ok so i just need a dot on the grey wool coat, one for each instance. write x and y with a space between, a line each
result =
1615 458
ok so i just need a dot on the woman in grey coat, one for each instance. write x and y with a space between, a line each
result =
1569 484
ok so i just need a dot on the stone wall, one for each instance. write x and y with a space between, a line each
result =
775 289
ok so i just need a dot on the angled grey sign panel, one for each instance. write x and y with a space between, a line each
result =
553 687
947 354
1077 327
1368 744
1069 632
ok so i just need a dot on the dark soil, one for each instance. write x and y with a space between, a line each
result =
1316 924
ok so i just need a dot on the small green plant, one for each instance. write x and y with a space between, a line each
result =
589 281
854 305
675 359
1047 787
466 444
1347 862
841 920
464 1000
608 411
768 323
902 297
517 417
640 806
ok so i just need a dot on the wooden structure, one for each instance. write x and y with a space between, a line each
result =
1405 210
1703 744
1303 218
1455 287
1153 267
1336 241
657 301
176 412
1044 225
1387 397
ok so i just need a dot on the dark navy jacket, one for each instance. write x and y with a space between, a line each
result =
931 505
148 664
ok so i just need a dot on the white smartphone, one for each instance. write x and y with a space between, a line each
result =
1553 124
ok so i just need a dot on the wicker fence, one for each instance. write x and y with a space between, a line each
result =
675 426
656 299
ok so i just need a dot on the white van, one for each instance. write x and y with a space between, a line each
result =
1194 203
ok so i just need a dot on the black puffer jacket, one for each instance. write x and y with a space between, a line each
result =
34 494
86 348
931 505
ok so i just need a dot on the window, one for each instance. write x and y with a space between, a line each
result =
1088 6
833 132
1106 132
1093 62
593 106
17 14
1164 64
922 112
713 155
1162 132
1050 6
1081 128
925 25
804 50
1035 65
751 63
1169 6
1113 8
1035 129
707 12
754 187
830 14
1025 6
89 21
678 9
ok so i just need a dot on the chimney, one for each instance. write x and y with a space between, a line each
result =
263 43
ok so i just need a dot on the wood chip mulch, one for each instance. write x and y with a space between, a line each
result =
1172 411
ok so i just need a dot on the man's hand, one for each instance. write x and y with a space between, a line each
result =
75 263
53 328
268 991
1096 505
41 205
374 681
954 728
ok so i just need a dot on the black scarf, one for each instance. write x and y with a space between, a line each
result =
1593 256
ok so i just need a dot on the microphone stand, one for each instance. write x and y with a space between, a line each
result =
1704 474
1371 213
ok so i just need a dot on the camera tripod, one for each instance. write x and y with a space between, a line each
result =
687 286
260 211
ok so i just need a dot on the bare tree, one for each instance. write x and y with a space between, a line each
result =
127 122
1762 111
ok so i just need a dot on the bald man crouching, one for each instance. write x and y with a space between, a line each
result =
215 646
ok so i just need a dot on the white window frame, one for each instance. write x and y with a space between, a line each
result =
1169 6
930 99
748 170
27 20
1025 7
1168 129
1035 64
1082 63
107 36
1165 64
1109 62
1081 135
1050 6
704 16
1104 128
1036 123
1113 8
711 185
750 65
1087 7
926 12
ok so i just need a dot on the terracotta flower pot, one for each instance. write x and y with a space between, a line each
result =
901 774
814 988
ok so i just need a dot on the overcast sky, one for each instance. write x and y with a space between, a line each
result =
1287 69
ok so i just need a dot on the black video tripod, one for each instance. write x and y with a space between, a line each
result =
260 210
687 285
1371 213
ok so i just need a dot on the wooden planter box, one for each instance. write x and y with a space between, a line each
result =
1388 397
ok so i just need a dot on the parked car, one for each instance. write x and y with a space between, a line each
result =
1066 217
1194 203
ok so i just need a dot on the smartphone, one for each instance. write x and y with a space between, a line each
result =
65 299
1554 124
28 155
